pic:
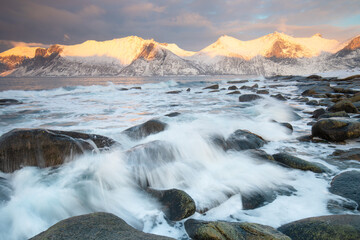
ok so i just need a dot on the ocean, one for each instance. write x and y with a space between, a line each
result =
214 178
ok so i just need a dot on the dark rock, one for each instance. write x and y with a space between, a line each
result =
262 92
317 77
351 154
237 81
123 89
344 227
260 154
5 190
254 200
345 90
7 102
249 87
336 130
215 86
202 230
298 163
243 140
233 92
334 114
347 185
177 204
136 88
214 91
45 148
322 89
355 98
318 112
305 138
344 105
232 88
95 226
174 92
279 97
188 90
312 103
287 125
173 114
249 97
143 130
219 141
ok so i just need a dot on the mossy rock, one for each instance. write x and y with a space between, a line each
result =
95 226
298 163
177 204
202 230
335 227
336 130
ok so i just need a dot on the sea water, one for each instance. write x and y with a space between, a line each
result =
187 159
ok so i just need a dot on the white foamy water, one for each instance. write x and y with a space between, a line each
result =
185 157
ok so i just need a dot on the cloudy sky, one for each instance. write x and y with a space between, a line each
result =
192 24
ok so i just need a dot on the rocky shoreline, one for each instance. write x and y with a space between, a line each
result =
334 121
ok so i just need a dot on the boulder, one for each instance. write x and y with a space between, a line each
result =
344 227
143 130
177 204
351 154
95 226
249 97
343 105
336 130
215 86
298 163
243 140
347 185
7 102
233 87
45 148
203 230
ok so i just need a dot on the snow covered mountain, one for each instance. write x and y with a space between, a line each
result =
275 53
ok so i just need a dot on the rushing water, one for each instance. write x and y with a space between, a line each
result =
188 160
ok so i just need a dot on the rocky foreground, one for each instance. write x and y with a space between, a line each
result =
335 120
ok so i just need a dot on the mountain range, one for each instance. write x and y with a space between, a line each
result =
272 54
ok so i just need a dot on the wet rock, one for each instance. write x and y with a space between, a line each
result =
143 130
279 97
262 92
249 87
123 89
233 92
305 138
351 154
322 89
173 114
317 77
203 230
344 105
174 92
45 148
287 125
254 200
188 90
312 103
345 90
336 130
136 88
344 227
219 141
260 154
249 97
347 185
342 114
215 86
298 163
5 190
177 204
95 226
232 88
318 112
243 140
237 81
7 102
355 98
214 91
